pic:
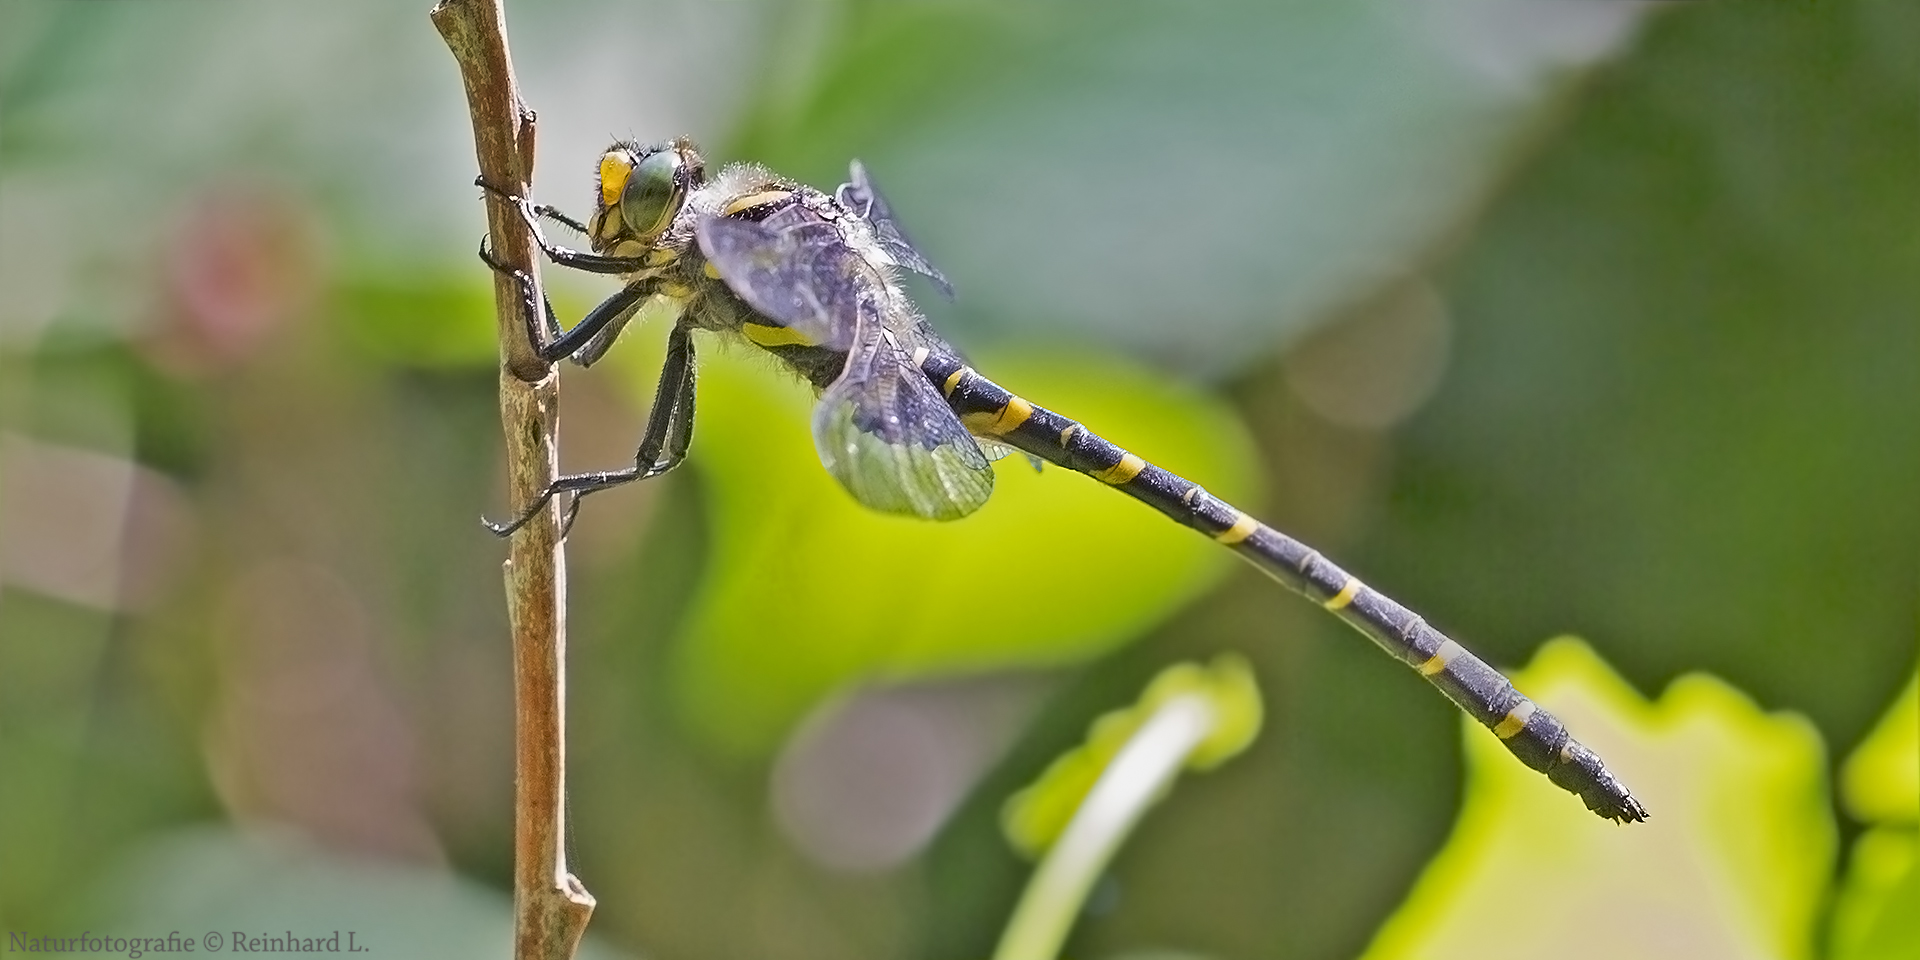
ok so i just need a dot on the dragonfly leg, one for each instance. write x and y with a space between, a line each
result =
547 211
564 256
542 326
585 339
662 447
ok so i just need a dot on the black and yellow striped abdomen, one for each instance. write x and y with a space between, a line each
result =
1531 733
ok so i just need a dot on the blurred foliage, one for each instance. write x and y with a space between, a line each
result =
1080 812
212 883
1878 911
1091 171
1034 817
1684 374
1734 861
1660 267
1881 781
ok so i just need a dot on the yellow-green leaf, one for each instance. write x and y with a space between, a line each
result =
1733 863
1878 909
1881 780
1034 817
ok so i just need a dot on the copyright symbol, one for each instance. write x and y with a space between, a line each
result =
212 941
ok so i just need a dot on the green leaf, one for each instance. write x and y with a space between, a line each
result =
1881 780
1734 861
807 591
1879 904
1034 817
1877 914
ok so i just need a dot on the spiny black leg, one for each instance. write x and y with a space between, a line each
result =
553 213
564 256
681 439
662 447
544 211
670 422
543 330
676 426
669 425
589 262
607 318
547 211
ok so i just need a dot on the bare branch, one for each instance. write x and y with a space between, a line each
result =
551 907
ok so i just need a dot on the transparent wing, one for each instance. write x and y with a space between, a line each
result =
863 198
996 451
888 436
993 450
798 273
881 428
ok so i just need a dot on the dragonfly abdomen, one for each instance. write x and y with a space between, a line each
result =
1532 734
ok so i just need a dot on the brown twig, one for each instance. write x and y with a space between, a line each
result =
551 907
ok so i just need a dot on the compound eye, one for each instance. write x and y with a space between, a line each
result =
652 195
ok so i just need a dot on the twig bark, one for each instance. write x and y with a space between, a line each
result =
551 907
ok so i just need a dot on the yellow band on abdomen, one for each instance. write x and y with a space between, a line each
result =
1002 421
1243 527
1348 591
1128 468
1440 658
1515 720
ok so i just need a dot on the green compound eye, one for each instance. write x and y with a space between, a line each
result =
653 194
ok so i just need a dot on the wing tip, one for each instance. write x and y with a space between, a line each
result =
940 482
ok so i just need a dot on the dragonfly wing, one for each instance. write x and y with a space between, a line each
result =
881 428
993 450
801 275
888 436
863 198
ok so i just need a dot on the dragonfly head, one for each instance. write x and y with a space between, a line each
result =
642 189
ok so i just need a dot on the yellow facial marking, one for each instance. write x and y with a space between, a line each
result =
659 256
1002 421
1348 591
770 336
615 168
953 382
604 224
751 200
1243 527
1515 720
1128 468
710 270
1440 658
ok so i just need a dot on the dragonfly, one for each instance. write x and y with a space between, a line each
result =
903 422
